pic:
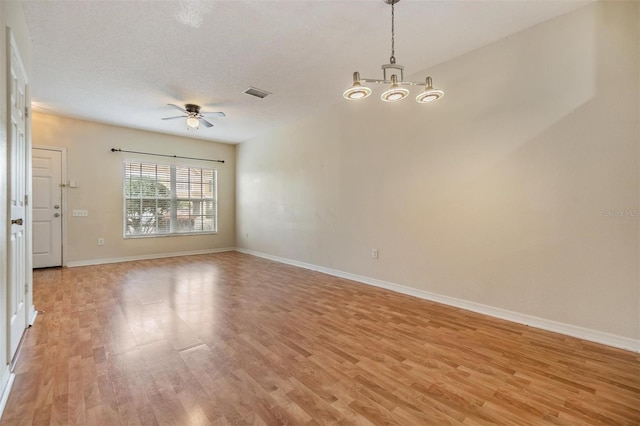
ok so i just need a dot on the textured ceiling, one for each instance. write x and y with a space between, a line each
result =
121 62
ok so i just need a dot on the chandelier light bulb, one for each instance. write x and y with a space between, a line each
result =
429 94
357 91
395 92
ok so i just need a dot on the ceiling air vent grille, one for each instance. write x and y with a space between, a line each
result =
259 93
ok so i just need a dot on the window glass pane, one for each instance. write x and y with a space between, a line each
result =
132 216
132 207
183 207
207 207
148 170
207 190
147 187
163 189
195 175
164 224
132 186
163 207
197 223
148 224
208 223
132 169
195 190
182 190
163 173
128 191
207 174
185 223
182 174
194 207
149 206
148 216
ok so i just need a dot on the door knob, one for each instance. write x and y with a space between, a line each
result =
16 221
56 215
56 206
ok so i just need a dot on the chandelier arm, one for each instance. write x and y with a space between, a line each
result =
400 83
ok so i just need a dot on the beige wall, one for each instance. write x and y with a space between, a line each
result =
506 193
98 173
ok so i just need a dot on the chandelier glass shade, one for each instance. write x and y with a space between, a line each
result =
391 71
357 91
429 94
395 92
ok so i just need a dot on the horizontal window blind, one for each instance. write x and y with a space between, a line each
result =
161 199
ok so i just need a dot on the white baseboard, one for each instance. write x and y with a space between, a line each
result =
4 393
144 257
545 324
33 317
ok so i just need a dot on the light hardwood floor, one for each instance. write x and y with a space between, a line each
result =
233 339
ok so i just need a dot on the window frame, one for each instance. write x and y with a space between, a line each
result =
174 199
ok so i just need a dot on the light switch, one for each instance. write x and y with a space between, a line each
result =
80 213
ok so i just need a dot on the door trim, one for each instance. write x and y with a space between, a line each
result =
63 206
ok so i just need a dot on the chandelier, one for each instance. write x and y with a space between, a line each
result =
390 73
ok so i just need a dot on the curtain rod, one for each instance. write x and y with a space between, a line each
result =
163 155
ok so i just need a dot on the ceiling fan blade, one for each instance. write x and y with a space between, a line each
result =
214 114
178 108
205 122
171 118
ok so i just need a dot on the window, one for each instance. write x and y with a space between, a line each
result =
162 199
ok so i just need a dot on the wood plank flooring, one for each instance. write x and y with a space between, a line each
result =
231 339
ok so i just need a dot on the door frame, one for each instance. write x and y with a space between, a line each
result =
63 189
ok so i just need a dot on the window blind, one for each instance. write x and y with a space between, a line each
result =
161 199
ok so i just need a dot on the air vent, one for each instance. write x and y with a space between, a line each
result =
259 93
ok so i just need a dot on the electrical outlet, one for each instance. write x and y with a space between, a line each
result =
374 253
100 241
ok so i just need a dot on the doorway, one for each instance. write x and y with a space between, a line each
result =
48 206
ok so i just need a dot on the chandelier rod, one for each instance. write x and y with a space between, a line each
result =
392 59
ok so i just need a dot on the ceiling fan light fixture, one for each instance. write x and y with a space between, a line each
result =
429 94
194 117
193 122
395 92
357 91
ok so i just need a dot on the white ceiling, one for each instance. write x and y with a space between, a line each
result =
122 62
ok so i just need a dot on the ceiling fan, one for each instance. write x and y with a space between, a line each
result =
193 115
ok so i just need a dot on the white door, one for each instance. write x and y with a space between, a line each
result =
47 207
17 278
